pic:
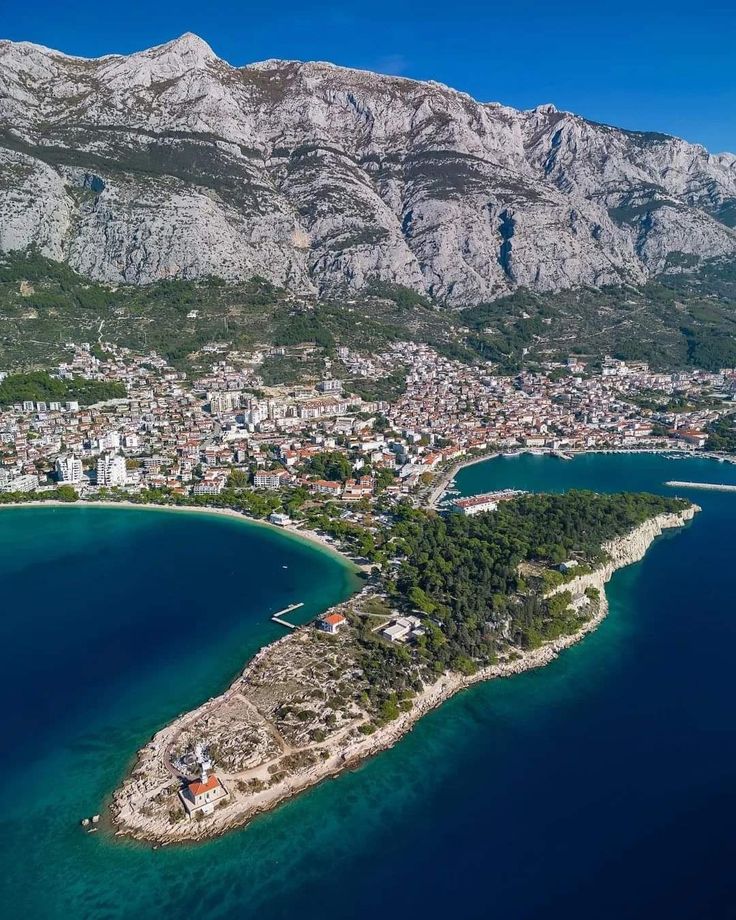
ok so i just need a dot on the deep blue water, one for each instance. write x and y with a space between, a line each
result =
599 786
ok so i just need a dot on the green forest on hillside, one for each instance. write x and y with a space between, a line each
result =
39 386
679 320
676 321
462 572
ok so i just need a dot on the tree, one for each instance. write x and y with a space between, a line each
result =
238 479
332 465
66 494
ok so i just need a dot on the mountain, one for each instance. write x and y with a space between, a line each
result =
172 163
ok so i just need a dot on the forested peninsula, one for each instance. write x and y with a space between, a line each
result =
460 599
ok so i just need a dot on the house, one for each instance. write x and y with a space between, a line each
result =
568 566
202 795
276 517
331 623
489 501
402 629
692 436
355 489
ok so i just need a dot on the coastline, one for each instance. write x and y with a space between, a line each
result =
438 489
129 800
307 536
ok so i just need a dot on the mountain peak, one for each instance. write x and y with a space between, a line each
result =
188 46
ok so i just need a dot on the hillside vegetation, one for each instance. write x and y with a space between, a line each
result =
463 572
38 385
678 321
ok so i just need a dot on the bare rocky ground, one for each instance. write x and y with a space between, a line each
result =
171 163
294 709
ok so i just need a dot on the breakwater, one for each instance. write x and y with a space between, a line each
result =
707 486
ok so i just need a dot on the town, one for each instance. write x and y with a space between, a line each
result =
319 442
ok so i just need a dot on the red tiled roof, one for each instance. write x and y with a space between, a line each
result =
197 788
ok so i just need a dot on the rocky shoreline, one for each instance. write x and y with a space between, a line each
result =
152 774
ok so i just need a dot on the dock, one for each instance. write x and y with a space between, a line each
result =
709 486
278 616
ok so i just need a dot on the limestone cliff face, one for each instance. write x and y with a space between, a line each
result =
626 550
172 163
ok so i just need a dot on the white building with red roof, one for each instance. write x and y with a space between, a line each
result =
202 795
332 622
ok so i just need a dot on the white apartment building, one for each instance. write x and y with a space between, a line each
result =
270 480
111 470
69 470
226 401
109 441
21 483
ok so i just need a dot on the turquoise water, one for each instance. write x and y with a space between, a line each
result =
600 786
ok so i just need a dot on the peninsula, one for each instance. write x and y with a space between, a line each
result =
461 599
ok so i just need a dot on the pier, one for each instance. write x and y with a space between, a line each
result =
709 486
278 616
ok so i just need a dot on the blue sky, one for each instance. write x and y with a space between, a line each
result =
645 65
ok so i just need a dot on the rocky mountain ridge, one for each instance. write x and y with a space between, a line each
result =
172 163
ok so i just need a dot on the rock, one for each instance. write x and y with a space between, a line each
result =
171 163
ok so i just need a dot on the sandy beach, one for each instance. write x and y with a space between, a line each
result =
309 536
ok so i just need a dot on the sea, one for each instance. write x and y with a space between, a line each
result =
603 785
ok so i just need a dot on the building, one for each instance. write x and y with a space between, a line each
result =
270 479
22 483
487 502
111 470
327 487
276 517
109 441
330 385
692 436
355 489
202 795
212 483
331 623
221 403
69 470
402 629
